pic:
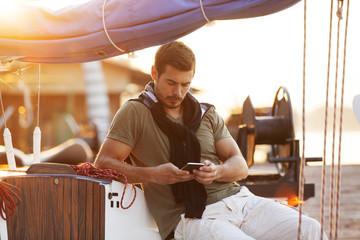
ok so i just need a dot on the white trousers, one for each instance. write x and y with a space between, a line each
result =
246 216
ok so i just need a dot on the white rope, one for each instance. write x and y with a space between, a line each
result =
8 141
332 176
9 149
38 100
334 190
209 23
302 161
323 173
338 176
106 32
203 11
37 132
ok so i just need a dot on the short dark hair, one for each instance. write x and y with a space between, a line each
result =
176 54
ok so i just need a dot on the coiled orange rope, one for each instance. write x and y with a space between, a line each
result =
9 198
87 169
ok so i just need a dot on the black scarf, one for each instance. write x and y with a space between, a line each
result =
184 147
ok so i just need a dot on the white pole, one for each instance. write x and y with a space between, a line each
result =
9 149
36 145
37 132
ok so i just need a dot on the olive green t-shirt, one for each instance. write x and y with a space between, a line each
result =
133 124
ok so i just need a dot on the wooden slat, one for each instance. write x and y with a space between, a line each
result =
102 212
96 211
50 213
27 211
31 215
58 208
41 195
75 210
89 209
67 208
82 209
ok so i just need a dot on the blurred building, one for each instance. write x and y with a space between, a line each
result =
65 98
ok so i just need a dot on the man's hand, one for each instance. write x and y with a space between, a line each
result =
169 174
206 174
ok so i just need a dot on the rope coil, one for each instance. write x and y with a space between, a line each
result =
9 198
87 169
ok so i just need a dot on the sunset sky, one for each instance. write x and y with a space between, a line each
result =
255 56
236 58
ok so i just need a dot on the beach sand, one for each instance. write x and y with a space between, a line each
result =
349 212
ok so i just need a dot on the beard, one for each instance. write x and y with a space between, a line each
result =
170 102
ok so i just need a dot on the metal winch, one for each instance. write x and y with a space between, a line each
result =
275 129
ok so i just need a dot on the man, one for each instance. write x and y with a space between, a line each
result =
164 129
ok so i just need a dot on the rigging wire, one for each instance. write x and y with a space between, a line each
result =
8 141
106 32
2 108
323 173
332 177
334 192
338 175
209 22
9 194
302 159
37 132
38 100
131 54
203 11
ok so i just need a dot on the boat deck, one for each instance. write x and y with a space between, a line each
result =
349 217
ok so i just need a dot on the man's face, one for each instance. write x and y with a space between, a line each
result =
172 86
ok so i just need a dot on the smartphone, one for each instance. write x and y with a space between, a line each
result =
190 166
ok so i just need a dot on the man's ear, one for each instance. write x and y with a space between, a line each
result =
154 73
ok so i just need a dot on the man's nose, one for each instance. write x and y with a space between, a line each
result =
177 91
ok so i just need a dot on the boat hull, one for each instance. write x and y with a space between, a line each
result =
75 207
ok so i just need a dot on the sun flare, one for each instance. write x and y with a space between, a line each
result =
7 7
57 4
